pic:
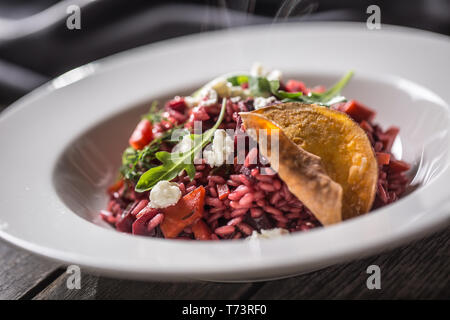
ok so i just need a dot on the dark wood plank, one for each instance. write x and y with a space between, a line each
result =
93 287
418 271
21 273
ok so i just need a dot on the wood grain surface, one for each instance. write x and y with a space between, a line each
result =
420 270
22 274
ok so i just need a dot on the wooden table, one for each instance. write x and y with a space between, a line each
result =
419 270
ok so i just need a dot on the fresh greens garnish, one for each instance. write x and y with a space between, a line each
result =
154 115
136 162
262 87
258 86
332 95
174 163
238 80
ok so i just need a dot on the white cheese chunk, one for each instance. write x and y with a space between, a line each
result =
191 101
216 88
261 102
258 70
208 98
217 153
236 99
225 89
164 194
221 86
267 234
184 145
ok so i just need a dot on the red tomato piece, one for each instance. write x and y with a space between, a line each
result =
396 166
200 114
383 158
223 191
317 89
186 212
177 104
201 230
142 135
357 111
366 126
296 86
116 186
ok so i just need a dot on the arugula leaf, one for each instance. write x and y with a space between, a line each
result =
173 164
136 162
259 86
280 94
238 80
327 98
332 95
262 87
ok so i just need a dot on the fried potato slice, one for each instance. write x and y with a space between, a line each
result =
302 171
342 145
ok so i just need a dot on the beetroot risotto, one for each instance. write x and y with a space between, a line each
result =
196 169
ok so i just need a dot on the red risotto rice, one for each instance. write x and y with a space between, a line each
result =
237 198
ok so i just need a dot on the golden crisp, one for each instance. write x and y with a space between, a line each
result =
302 171
342 145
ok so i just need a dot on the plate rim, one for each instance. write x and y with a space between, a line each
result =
102 65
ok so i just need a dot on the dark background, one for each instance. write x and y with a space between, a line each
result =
35 44
35 47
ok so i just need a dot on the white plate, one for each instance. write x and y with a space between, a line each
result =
61 145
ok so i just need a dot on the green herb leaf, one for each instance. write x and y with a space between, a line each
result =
136 162
154 115
238 80
259 87
173 164
327 98
333 94
280 94
262 87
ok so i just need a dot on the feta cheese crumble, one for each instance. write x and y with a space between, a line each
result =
261 102
211 92
236 99
208 98
164 194
217 153
191 101
274 75
267 234
184 145
258 70
226 90
219 87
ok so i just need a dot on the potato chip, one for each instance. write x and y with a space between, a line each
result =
344 148
301 170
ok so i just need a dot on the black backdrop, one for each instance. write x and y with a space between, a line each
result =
35 44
